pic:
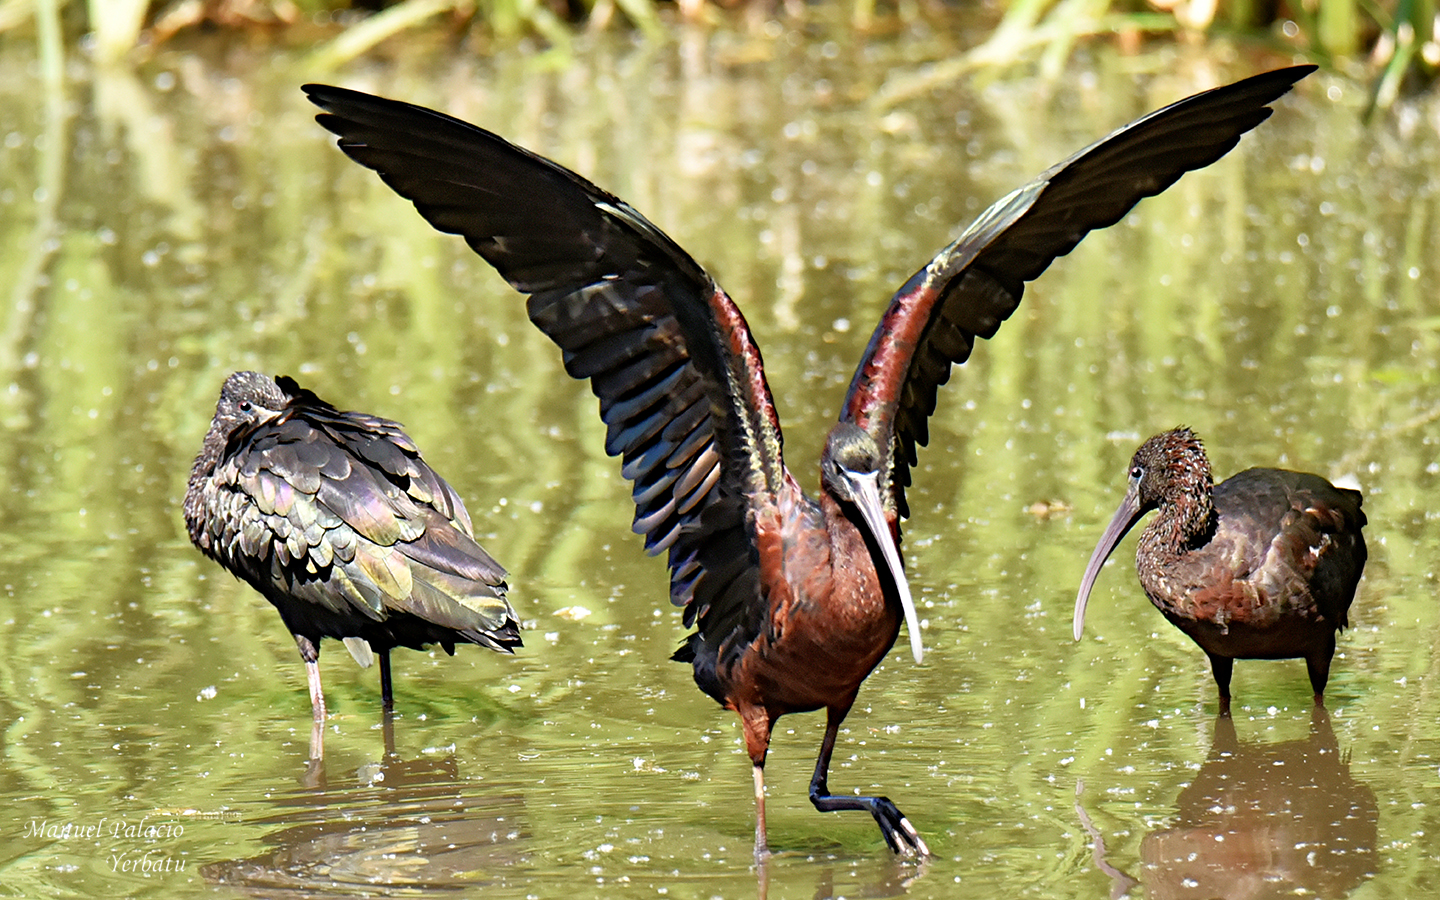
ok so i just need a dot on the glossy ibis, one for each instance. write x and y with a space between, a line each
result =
794 601
337 521
1263 565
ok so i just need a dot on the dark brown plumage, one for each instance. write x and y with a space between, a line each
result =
338 522
794 601
1262 566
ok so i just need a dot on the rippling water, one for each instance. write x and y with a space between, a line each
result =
162 230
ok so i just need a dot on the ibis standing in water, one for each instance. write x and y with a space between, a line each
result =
1263 565
793 600
336 520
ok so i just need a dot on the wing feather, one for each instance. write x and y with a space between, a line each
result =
678 376
974 284
338 511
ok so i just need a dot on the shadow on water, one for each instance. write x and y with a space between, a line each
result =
405 824
1262 820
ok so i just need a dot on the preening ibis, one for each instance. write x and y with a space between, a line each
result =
335 519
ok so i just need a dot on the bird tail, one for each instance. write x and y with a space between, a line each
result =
477 611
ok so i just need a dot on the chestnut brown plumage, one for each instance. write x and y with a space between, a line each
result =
1263 565
336 520
793 601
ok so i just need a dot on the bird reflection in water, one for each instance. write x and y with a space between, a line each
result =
316 778
1265 820
408 824
838 877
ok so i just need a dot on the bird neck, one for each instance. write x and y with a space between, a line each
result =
1185 523
211 450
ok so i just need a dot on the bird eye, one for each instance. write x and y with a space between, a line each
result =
244 405
1136 473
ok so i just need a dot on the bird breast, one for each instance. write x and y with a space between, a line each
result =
830 624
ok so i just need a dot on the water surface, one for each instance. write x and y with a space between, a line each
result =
163 229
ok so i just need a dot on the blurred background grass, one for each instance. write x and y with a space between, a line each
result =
1392 45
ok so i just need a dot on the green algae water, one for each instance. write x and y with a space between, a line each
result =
164 228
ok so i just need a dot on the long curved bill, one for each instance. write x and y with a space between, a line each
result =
867 499
1125 517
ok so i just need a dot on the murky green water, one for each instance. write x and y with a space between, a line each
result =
160 231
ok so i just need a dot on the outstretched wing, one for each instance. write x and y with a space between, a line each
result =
679 378
974 284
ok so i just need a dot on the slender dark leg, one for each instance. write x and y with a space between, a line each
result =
1224 742
756 723
314 776
387 730
315 770
762 845
317 740
310 652
387 695
317 694
1318 665
899 833
1221 666
1322 734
